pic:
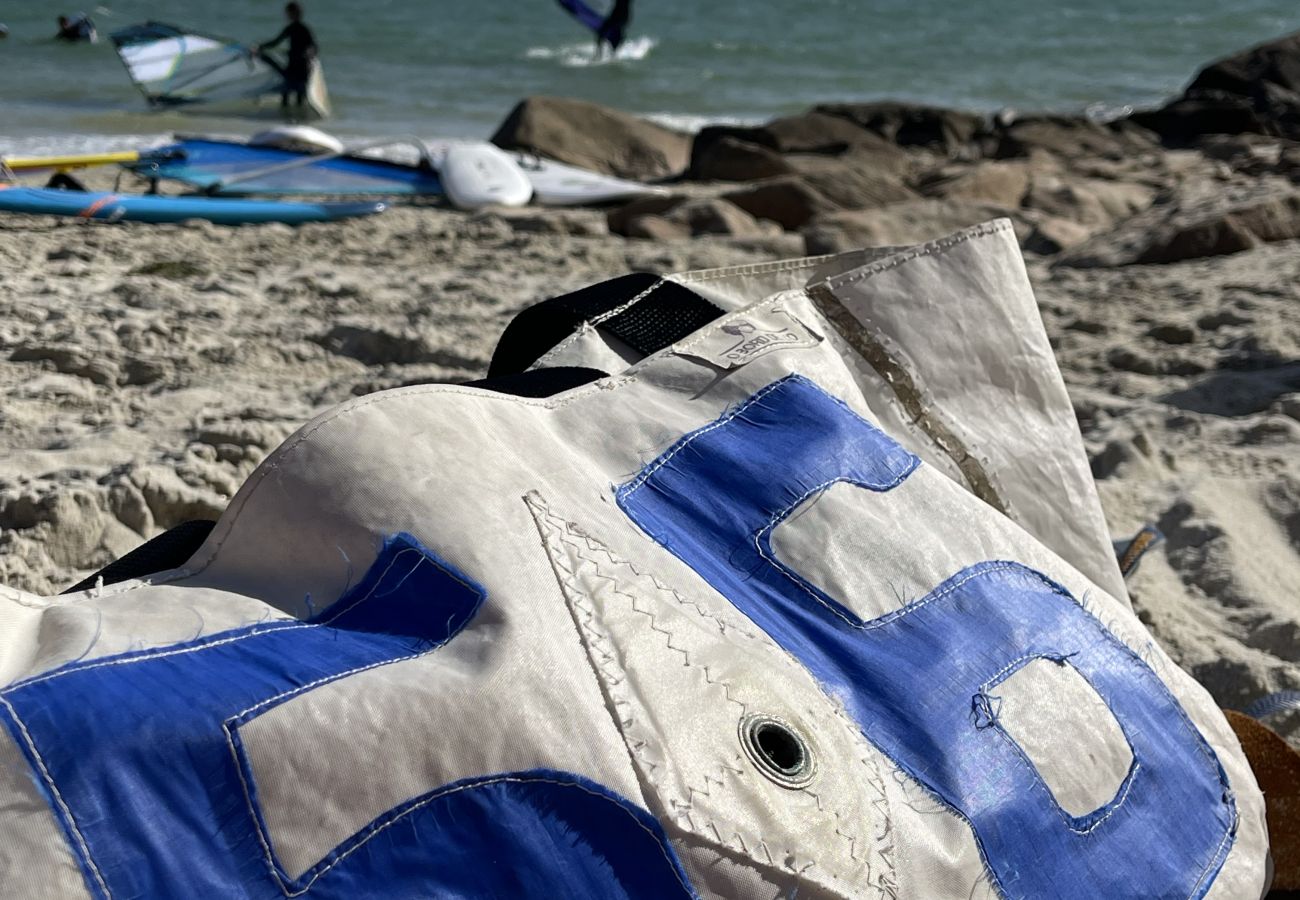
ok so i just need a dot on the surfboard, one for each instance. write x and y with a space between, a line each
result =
479 174
231 167
139 208
560 184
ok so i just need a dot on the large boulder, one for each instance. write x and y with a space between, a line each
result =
1073 137
1001 182
854 180
788 201
910 222
1274 62
594 137
1208 227
653 205
1254 91
1094 203
718 217
731 159
808 133
947 131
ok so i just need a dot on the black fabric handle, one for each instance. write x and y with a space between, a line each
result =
665 313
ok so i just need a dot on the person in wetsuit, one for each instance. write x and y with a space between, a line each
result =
76 29
612 30
302 50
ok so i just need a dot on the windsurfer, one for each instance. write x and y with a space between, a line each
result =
302 52
612 31
76 29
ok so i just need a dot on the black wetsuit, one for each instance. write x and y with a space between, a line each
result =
302 48
615 24
79 28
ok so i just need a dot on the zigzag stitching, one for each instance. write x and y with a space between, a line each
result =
682 810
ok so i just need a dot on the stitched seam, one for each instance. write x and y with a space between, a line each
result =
623 307
631 487
381 825
1114 803
931 249
156 654
773 304
761 538
566 532
54 790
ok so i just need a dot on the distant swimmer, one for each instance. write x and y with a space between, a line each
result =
302 52
77 29
614 28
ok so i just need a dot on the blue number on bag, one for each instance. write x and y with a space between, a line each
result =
141 758
909 678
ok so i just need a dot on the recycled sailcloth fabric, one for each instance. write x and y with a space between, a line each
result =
773 581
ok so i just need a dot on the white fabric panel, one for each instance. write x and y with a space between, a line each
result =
877 551
961 314
1068 733
131 615
502 697
680 679
35 860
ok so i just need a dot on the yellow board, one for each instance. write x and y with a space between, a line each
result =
63 163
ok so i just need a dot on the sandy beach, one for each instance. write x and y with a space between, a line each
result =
147 370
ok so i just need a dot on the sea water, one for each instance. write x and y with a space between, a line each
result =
442 68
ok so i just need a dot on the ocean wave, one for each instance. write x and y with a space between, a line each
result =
582 55
691 123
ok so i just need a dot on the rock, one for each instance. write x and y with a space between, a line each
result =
811 132
656 205
1208 228
908 222
1002 182
1090 202
1275 62
1256 91
1051 235
732 159
656 228
1071 138
851 180
717 217
946 131
790 202
594 137
1182 120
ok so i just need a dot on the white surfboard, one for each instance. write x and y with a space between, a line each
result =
479 174
560 184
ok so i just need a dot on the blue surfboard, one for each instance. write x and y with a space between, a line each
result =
142 208
205 163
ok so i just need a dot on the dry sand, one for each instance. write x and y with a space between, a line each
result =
147 369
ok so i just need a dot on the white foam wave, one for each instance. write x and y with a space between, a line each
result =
582 55
692 123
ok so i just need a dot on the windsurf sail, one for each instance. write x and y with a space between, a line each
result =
228 167
584 14
175 66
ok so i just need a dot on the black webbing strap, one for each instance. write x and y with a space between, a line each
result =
663 314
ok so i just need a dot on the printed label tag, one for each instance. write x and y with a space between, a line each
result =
742 339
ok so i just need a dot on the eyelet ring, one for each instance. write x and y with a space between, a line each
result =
778 750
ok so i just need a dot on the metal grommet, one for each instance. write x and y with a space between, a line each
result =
778 750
